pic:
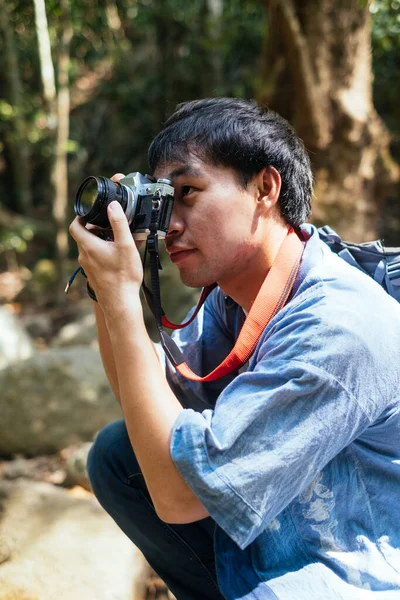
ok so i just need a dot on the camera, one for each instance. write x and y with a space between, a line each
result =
146 202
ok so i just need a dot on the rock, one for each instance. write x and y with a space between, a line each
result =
54 545
76 467
39 325
54 400
15 344
79 333
48 467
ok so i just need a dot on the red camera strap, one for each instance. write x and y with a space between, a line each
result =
204 293
271 297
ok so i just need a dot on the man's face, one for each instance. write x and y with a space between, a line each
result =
213 232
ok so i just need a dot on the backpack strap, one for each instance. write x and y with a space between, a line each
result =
349 258
373 258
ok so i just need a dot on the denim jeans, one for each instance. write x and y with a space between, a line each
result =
182 555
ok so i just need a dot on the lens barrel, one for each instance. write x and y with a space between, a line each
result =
94 195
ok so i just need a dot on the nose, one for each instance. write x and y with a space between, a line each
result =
176 224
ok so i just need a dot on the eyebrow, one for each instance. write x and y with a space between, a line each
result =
185 170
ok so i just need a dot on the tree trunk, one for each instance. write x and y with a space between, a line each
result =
16 139
46 63
213 54
59 175
317 73
58 109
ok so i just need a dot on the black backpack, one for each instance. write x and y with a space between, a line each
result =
372 258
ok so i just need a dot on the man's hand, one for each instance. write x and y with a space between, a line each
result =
114 269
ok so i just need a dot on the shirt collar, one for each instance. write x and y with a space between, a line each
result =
311 256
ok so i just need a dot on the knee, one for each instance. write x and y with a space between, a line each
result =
111 459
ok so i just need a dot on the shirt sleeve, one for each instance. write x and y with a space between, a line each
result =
275 426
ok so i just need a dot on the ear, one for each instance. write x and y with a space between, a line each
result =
268 182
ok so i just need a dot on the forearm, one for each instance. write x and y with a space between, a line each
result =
106 351
150 410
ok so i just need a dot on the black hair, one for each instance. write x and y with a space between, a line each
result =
236 133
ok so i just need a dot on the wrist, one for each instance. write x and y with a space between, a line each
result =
122 309
126 328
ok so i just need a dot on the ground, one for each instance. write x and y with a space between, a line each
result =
53 469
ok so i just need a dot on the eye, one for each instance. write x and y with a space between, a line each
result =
187 190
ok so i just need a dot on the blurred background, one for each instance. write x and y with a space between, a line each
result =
84 86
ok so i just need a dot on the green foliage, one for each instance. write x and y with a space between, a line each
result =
131 63
7 111
386 67
386 25
386 60
15 238
170 52
128 69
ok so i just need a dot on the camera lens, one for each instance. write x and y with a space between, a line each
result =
88 195
94 195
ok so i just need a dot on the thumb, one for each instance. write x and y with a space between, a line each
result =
118 222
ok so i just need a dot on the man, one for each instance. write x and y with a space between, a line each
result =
282 480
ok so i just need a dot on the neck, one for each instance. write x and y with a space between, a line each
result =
245 285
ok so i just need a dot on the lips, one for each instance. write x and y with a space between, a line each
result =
177 255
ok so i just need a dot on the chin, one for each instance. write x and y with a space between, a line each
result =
195 280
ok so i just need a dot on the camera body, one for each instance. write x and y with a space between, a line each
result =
142 198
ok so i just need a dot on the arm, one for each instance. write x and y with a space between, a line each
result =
149 406
150 410
106 351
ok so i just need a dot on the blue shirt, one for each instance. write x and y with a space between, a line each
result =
297 459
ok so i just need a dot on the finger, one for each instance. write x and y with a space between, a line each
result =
75 228
119 223
117 177
80 234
